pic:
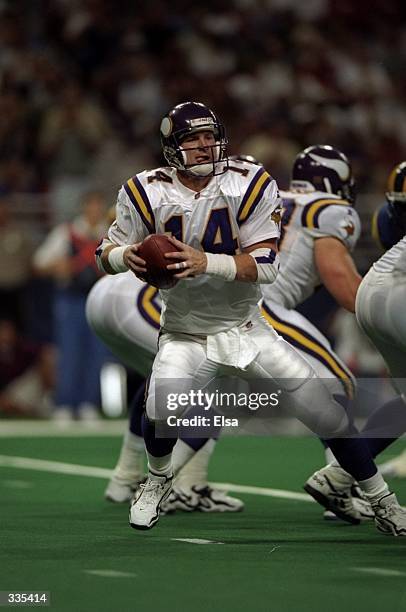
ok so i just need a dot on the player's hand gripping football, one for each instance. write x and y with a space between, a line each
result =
189 261
133 261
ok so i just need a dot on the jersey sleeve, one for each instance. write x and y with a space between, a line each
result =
127 228
385 231
339 220
259 214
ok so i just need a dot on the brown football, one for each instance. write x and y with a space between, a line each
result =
153 250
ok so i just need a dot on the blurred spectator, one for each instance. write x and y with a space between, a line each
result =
67 255
16 352
71 135
15 264
75 72
83 86
30 394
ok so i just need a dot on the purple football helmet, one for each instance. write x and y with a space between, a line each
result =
188 118
326 169
245 158
396 194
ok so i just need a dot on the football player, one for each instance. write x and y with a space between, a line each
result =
380 309
224 223
124 312
320 228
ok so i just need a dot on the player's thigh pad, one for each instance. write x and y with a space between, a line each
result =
179 367
312 345
380 309
304 395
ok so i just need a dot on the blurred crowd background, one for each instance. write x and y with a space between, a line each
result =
83 86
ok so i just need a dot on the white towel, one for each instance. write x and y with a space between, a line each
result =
232 348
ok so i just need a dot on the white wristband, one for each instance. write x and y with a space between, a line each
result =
116 259
222 266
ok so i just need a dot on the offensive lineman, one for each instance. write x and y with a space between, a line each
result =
211 323
320 228
380 311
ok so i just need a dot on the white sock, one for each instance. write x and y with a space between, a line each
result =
130 464
374 487
160 466
182 454
329 455
195 472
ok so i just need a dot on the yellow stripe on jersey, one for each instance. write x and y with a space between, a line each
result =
254 190
375 230
140 199
314 348
313 208
391 179
148 305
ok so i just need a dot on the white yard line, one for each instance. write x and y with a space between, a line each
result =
40 465
281 493
379 571
107 573
76 429
195 541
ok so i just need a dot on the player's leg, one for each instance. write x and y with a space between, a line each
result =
315 347
174 371
379 307
380 312
129 470
191 489
310 402
124 312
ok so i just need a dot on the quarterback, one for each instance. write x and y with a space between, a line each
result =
224 223
124 312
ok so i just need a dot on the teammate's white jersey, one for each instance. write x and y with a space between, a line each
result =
305 218
235 210
393 260
124 313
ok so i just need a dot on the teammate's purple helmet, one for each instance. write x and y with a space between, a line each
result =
188 118
325 169
245 158
396 194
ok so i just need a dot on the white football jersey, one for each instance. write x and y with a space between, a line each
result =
235 210
306 217
124 313
393 260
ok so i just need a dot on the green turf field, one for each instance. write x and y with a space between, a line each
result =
59 535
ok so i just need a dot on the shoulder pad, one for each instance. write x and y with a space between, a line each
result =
244 178
136 189
313 209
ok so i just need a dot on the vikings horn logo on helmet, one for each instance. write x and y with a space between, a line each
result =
324 168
